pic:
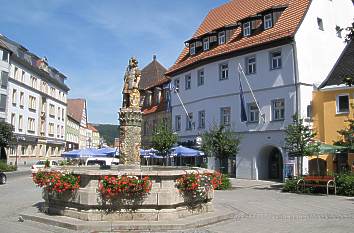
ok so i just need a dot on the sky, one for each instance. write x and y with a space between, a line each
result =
91 41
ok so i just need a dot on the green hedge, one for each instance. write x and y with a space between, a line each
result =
290 186
4 167
345 184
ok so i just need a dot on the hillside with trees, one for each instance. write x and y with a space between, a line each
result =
108 132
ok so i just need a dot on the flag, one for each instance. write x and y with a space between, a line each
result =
243 108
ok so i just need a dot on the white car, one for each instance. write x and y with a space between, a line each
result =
41 163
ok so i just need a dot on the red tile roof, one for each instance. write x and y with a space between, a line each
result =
75 108
91 127
235 11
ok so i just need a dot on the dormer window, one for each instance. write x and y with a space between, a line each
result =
206 43
222 38
247 29
192 49
268 21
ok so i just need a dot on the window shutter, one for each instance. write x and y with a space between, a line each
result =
2 102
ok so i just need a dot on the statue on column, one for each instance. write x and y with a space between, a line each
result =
131 94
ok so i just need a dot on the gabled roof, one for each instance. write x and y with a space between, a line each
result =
344 66
234 12
91 127
153 75
75 108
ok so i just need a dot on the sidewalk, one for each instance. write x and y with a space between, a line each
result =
21 171
244 183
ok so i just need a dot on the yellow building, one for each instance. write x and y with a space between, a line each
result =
333 104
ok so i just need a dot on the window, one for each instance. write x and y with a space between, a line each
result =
268 21
4 78
253 112
189 121
320 24
188 80
225 116
42 127
342 103
22 99
178 122
14 97
20 123
52 91
62 114
251 65
32 103
338 32
201 119
278 109
23 76
176 85
5 56
275 60
309 111
247 29
33 82
58 113
58 131
222 37
62 132
206 43
2 103
51 129
51 110
16 74
31 125
201 77
13 119
224 71
192 49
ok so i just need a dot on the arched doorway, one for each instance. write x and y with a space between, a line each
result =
270 164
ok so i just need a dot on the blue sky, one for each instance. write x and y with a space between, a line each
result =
92 41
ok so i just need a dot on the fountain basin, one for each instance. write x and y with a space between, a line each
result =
164 202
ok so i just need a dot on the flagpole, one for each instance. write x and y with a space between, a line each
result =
249 86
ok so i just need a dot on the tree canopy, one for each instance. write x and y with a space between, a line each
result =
347 136
163 138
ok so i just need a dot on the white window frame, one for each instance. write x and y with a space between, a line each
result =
178 122
223 71
206 44
14 97
250 70
221 37
192 48
22 99
189 121
201 119
278 60
253 112
337 104
268 21
201 78
188 81
225 116
176 84
247 28
276 110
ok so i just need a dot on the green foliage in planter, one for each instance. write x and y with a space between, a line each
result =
290 186
225 183
345 184
4 167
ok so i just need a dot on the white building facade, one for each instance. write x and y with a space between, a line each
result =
281 71
36 106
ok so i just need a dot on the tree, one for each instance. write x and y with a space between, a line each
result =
300 141
221 143
348 79
163 139
347 136
6 136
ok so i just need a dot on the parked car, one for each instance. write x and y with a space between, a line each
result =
2 178
102 161
41 164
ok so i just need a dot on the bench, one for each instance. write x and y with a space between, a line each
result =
318 181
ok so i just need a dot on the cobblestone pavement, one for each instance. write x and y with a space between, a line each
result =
260 207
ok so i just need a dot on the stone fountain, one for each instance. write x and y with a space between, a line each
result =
164 201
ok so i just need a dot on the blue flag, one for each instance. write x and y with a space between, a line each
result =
243 108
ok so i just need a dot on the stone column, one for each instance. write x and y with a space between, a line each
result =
130 136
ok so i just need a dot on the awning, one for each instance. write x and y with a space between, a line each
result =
330 149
